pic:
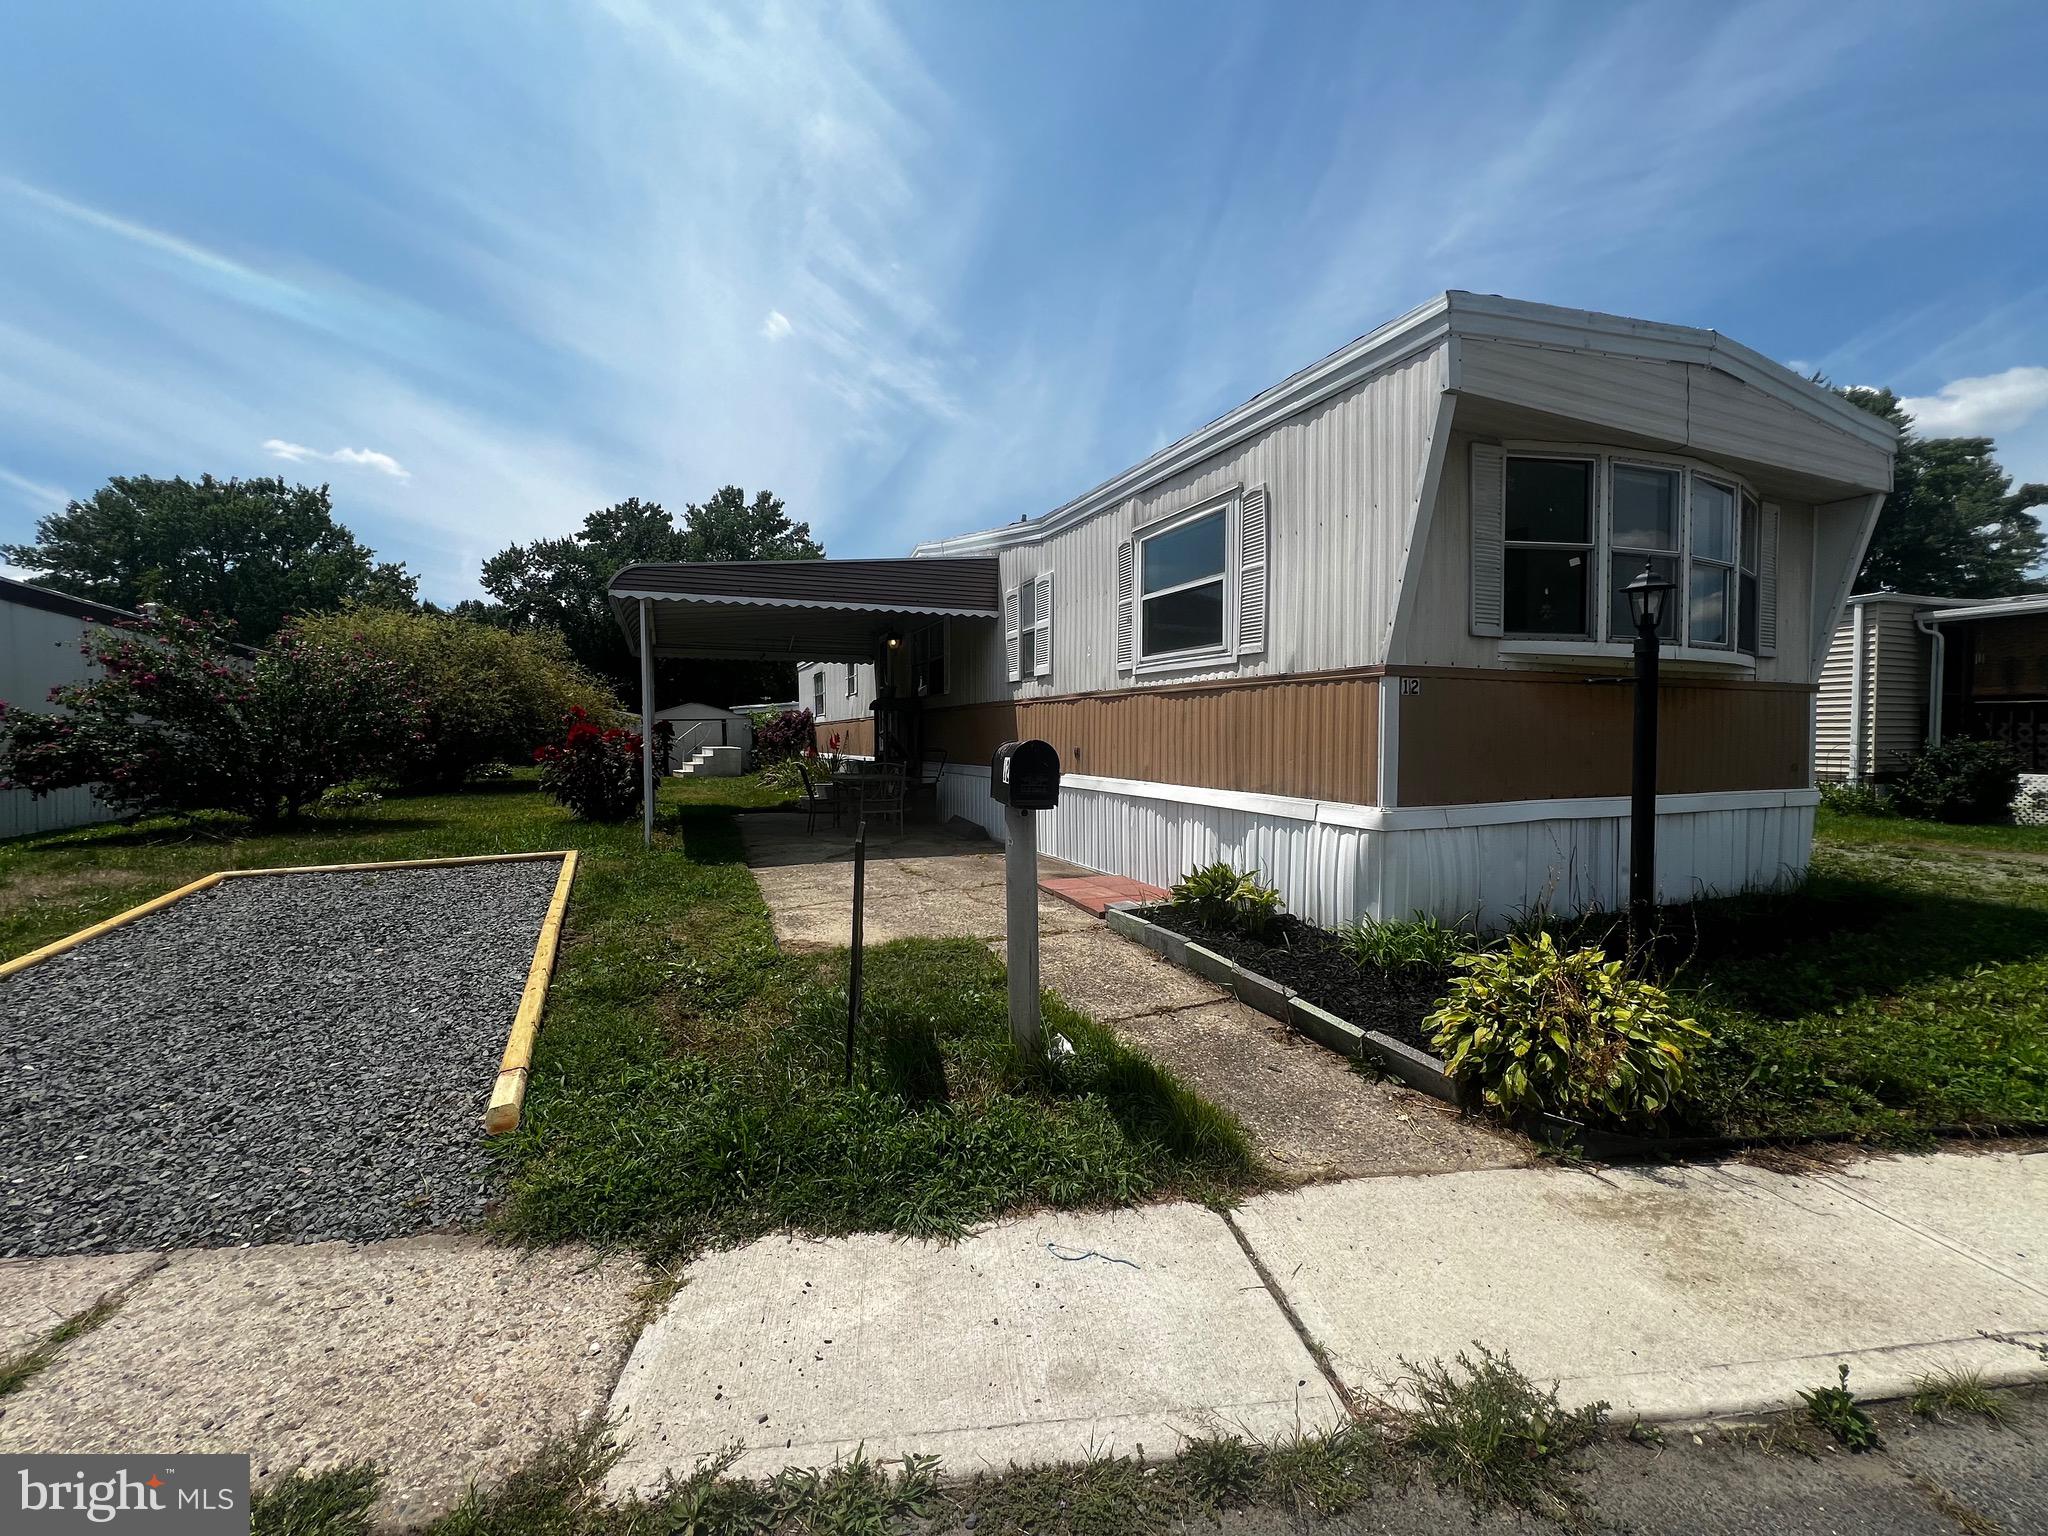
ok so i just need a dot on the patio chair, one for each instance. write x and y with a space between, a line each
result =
818 797
882 795
929 772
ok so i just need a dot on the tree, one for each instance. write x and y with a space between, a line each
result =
489 695
176 719
254 551
1953 526
560 584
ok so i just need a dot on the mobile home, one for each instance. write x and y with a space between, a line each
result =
1365 633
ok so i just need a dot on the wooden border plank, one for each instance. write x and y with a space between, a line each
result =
72 941
508 1094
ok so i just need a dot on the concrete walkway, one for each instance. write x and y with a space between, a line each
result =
1672 1294
440 1358
1309 1115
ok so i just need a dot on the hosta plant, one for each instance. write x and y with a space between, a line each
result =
1224 901
1539 1029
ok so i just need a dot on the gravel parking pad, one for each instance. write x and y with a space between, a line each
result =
281 1058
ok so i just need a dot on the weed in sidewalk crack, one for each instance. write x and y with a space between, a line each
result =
1836 1410
1957 1390
17 1370
1484 1428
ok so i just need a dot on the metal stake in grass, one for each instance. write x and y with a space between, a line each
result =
860 873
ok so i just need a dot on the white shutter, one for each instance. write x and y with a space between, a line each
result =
1125 584
1767 582
1251 572
1489 530
1010 631
1041 648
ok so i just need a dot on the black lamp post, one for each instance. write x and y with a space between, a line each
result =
1647 595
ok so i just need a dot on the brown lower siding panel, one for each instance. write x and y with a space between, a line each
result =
1313 738
1471 738
856 737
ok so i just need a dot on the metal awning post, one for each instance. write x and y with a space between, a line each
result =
646 724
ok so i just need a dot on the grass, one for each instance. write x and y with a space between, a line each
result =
1957 1390
688 1084
335 1502
1833 827
1485 1429
17 1370
1899 992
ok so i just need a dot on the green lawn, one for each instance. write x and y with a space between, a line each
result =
1832 827
688 1083
1902 991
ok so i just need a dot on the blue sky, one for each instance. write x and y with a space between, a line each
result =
923 269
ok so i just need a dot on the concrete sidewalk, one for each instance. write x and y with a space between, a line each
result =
1672 1293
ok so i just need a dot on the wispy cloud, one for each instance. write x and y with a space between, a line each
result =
369 458
1980 407
43 497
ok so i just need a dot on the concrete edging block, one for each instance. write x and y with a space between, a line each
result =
1424 1073
1207 963
1261 992
1124 920
1324 1027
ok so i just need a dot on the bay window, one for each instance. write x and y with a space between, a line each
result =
1573 527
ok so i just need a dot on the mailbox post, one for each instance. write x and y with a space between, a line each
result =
1024 777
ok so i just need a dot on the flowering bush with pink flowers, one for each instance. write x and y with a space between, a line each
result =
177 719
594 771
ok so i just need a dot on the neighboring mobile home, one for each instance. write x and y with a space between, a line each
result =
40 634
1905 670
1365 633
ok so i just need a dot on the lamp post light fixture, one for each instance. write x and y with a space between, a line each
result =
1647 596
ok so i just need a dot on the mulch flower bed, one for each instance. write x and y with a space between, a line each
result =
1308 959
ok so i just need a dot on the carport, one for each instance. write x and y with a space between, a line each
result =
784 610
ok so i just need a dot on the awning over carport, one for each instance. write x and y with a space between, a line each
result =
796 610
785 610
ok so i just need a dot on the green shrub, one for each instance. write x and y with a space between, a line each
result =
1571 1033
595 771
786 773
178 718
1224 901
1423 943
490 695
1959 780
1854 800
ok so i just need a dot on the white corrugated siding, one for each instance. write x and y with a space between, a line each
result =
38 651
1831 709
1333 873
1894 701
1899 656
839 704
1340 482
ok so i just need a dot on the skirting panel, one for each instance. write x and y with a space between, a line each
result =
1494 873
22 814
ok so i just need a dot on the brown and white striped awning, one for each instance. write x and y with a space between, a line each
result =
797 610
